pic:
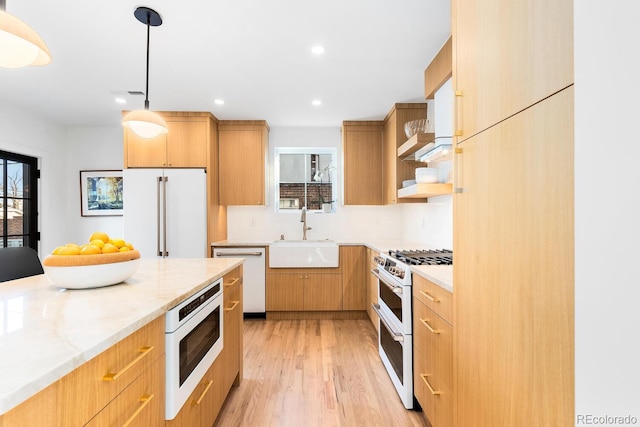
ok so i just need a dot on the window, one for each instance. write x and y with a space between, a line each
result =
18 200
305 177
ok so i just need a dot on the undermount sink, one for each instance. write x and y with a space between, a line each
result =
303 253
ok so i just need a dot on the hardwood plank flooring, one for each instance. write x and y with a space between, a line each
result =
314 373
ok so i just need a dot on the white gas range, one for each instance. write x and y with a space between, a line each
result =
394 309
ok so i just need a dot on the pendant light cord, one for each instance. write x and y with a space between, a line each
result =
146 92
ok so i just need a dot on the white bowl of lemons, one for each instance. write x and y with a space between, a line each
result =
101 262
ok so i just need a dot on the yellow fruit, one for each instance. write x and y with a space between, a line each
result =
100 236
97 242
90 250
124 249
72 245
129 245
118 243
57 250
108 248
69 250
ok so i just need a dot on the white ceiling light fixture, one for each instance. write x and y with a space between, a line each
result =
218 101
20 45
316 102
317 50
145 123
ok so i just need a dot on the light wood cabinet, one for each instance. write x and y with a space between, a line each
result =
433 350
243 162
507 56
439 70
304 289
186 145
394 169
233 309
353 263
87 391
514 269
372 287
362 154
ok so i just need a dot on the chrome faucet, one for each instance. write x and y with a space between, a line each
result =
303 219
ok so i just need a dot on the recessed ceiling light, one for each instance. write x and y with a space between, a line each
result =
121 100
316 102
218 101
317 49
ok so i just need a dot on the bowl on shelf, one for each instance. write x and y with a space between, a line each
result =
416 126
426 175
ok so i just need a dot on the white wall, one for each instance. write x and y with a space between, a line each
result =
348 223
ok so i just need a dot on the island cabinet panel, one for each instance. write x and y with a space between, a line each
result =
362 152
243 150
187 144
353 263
394 169
507 56
514 324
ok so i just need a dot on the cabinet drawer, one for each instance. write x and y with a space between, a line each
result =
232 280
140 404
433 338
97 382
436 298
434 397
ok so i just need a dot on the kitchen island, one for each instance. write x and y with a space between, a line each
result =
47 332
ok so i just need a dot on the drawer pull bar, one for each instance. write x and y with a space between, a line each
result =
430 297
424 378
425 323
233 282
143 352
145 401
204 392
235 304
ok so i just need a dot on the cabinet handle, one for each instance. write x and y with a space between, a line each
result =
424 378
204 392
429 327
235 304
233 282
430 297
145 401
458 102
143 352
457 170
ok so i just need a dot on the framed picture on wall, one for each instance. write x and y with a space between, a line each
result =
101 193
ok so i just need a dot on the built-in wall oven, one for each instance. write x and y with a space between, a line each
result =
394 309
193 340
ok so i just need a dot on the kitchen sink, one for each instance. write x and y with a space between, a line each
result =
303 253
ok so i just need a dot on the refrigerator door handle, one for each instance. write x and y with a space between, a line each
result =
158 217
164 222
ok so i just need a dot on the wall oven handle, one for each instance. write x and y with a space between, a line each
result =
395 335
395 289
237 254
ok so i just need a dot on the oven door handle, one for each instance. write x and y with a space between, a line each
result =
395 335
395 289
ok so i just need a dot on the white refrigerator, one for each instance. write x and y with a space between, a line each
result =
165 212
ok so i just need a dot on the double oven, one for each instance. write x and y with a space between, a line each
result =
193 340
394 310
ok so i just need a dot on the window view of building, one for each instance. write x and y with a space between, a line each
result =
18 200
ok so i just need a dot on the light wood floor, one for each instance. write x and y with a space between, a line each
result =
314 373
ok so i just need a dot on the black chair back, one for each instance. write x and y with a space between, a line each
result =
16 263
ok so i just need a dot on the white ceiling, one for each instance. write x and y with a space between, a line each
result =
254 54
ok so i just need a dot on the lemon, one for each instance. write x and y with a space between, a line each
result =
129 245
118 243
72 245
97 242
100 236
108 248
69 250
57 250
124 249
90 250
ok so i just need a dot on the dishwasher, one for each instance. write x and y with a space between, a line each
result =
253 276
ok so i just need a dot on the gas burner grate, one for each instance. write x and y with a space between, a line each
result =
423 257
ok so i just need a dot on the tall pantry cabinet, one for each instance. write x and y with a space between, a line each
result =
513 213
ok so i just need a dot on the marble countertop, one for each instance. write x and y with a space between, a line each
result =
441 275
47 332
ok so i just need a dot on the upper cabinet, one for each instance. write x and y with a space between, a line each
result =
186 145
243 146
439 70
362 154
394 169
488 34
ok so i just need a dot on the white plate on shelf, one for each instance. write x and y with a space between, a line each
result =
90 276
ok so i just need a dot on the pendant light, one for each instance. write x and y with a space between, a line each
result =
20 46
145 123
